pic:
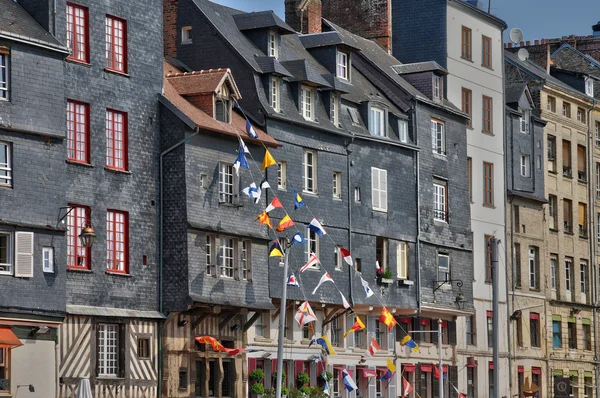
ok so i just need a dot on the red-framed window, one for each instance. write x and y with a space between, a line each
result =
78 257
116 139
116 44
78 33
117 241
78 131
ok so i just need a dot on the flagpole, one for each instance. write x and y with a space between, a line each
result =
441 365
282 317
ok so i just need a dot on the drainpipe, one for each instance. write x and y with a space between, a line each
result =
417 194
512 246
350 270
54 17
160 254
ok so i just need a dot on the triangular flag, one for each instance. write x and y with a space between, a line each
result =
373 348
379 270
264 184
275 203
387 318
407 388
324 278
264 219
346 255
275 249
358 325
243 145
292 281
298 239
285 222
240 161
391 370
268 160
298 202
345 302
312 261
304 314
316 227
250 130
326 388
348 382
436 371
409 342
458 393
367 288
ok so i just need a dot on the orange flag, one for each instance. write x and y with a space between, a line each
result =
387 318
218 347
285 222
264 219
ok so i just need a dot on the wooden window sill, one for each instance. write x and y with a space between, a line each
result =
116 72
115 273
116 171
76 269
78 163
78 62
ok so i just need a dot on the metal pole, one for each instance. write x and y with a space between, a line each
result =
282 321
441 364
496 313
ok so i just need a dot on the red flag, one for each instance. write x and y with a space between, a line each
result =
218 347
275 203
387 318
436 371
346 256
406 387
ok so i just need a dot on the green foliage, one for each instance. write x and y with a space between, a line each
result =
305 390
257 388
257 375
283 376
303 379
284 390
295 393
328 376
387 274
317 392
270 393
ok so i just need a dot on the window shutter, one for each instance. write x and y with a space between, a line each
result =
383 188
24 254
298 368
371 327
372 388
391 342
452 332
251 364
375 188
121 348
350 337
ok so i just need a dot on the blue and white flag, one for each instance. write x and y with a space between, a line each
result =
292 281
326 388
348 382
250 130
298 238
241 159
316 227
243 145
367 288
252 191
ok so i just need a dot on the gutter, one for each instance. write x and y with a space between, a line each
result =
418 197
34 42
350 270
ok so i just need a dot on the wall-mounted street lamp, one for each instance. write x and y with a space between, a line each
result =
460 300
87 235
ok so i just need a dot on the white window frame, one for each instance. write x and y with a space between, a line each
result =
597 128
343 65
337 258
524 121
583 266
337 185
589 86
526 166
440 192
553 264
438 137
282 174
245 260
186 35
377 125
312 246
307 102
568 267
4 70
437 87
275 93
379 186
580 115
357 199
310 171
9 265
445 270
6 168
104 348
227 257
335 109
48 259
403 130
273 44
402 260
226 187
210 253
532 268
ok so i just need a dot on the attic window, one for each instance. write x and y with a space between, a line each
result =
377 122
222 110
343 65
437 88
273 44
354 116
186 35
589 86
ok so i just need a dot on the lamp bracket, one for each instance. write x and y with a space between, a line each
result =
438 284
60 210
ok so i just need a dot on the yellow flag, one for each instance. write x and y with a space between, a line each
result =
268 160
285 222
358 325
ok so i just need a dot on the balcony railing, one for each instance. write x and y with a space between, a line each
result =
440 215
568 227
583 233
581 175
567 171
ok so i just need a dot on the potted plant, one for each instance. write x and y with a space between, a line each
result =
386 277
284 391
269 393
305 390
256 378
302 380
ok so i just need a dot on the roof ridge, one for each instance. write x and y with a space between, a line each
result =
198 72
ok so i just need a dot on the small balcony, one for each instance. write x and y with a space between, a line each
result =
568 227
440 215
567 171
583 233
581 176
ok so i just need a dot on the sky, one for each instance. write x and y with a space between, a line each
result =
538 19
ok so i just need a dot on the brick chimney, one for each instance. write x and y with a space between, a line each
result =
303 16
170 8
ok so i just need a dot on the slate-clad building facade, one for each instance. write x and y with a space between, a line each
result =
32 190
356 137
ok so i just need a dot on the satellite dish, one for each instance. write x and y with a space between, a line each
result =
516 35
523 54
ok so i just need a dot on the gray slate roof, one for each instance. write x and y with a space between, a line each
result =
513 92
569 58
261 19
272 65
418 67
17 24
325 39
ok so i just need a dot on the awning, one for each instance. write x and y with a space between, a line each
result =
409 368
369 373
536 371
8 338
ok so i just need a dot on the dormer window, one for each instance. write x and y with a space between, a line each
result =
377 122
275 89
335 109
524 120
273 44
437 88
186 35
589 86
343 65
222 110
307 102
403 130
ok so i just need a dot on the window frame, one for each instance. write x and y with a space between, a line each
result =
282 175
583 276
534 270
466 41
568 274
534 330
76 137
379 191
186 35
551 104
114 218
227 271
487 121
335 109
488 184
312 238
556 334
310 171
526 166
589 86
48 254
4 66
403 130
113 154
273 44
467 105
470 329
553 271
437 88
226 171
73 250
486 56
402 260
337 185
307 108
101 360
470 177
489 255
112 46
6 168
377 114
245 261
144 353
566 110
72 42
444 270
343 65
10 264
490 329
440 190
438 137
276 93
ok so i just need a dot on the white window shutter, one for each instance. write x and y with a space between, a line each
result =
24 254
433 135
375 188
383 189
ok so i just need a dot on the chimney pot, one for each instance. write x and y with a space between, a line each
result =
527 43
509 45
537 42
521 44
